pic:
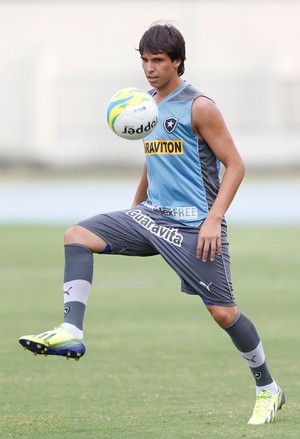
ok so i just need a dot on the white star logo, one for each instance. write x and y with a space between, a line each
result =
170 124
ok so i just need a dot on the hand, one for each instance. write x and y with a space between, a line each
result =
209 240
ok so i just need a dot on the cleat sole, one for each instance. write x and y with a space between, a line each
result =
37 348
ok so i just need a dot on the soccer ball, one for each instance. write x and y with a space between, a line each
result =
132 113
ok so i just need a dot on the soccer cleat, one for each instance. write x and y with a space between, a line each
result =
266 407
55 342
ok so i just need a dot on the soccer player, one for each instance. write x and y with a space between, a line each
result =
178 212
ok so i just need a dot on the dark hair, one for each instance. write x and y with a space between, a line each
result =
164 38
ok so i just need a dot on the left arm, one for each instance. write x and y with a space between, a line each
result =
209 125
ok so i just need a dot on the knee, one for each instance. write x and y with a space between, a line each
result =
80 235
73 235
223 315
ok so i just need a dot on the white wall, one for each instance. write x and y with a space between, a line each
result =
61 61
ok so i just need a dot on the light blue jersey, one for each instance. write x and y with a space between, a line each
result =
183 172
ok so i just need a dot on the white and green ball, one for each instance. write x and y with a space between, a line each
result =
132 113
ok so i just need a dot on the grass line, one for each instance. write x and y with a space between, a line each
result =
156 366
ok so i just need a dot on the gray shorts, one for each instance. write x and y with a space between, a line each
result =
141 232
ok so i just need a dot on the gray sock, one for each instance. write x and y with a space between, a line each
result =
246 339
78 278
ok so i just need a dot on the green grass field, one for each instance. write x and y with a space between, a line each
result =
156 365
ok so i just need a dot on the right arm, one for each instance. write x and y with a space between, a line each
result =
141 192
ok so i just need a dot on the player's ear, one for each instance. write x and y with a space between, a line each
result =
176 63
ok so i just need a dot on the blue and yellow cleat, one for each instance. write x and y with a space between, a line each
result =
266 407
55 342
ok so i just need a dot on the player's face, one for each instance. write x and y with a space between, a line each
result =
160 70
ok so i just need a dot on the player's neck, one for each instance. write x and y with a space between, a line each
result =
166 90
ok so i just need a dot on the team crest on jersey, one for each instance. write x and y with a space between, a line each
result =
170 124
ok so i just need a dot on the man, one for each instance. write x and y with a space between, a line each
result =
178 212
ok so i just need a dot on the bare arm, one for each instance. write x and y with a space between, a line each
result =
141 192
209 124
